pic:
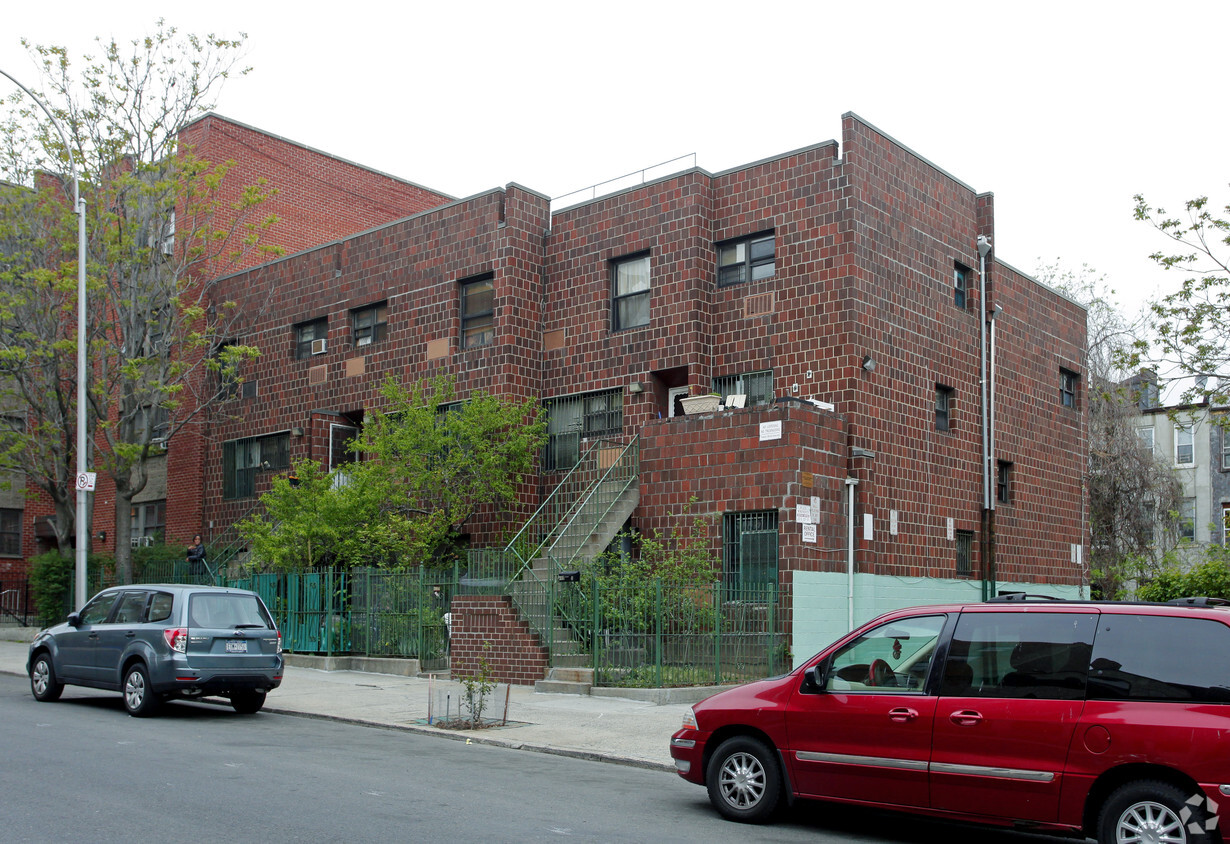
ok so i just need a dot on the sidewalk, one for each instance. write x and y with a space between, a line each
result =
611 729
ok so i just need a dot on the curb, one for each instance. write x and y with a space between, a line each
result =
466 736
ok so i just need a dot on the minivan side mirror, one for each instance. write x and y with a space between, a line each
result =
815 677
74 620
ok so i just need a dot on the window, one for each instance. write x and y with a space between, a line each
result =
1145 435
241 459
960 284
149 521
1152 658
1187 520
1016 655
156 420
1184 446
131 608
369 324
1067 388
226 365
10 532
747 258
757 386
1225 448
893 658
1003 482
306 335
339 437
572 419
97 610
965 553
477 312
943 407
749 555
160 606
630 288
1225 514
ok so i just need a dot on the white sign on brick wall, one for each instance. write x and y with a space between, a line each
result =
771 430
802 514
809 533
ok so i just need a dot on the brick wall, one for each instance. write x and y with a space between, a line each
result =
513 655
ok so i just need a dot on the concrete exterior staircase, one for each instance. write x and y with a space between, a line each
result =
567 681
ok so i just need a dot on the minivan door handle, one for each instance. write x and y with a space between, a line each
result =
902 714
966 718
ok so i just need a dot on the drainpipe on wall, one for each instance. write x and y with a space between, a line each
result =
851 483
988 517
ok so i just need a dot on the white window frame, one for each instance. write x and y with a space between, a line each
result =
1147 437
1179 445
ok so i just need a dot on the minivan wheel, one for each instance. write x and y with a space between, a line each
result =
139 698
43 679
248 703
1154 812
743 780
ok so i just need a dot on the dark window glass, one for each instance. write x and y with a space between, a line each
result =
308 332
370 324
1067 388
572 419
477 312
1150 657
131 608
339 437
965 553
749 555
242 459
148 521
10 532
1003 482
1026 655
943 407
960 284
630 288
160 606
757 386
748 258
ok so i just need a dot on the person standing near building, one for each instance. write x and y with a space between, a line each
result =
196 558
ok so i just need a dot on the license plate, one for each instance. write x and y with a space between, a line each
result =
236 647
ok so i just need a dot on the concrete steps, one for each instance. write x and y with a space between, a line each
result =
566 681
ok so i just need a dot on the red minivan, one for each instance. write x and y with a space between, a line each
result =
1110 720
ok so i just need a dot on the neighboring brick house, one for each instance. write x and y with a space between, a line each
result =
318 199
845 274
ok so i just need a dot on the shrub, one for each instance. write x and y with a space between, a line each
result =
53 580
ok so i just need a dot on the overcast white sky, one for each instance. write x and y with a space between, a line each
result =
1063 109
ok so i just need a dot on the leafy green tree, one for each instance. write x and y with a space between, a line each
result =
428 463
157 238
1192 324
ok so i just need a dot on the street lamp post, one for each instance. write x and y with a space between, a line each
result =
83 527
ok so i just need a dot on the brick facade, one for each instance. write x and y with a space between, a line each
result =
485 626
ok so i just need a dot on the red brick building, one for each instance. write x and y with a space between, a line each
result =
845 274
835 288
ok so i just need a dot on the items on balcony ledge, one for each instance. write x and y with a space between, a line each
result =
700 404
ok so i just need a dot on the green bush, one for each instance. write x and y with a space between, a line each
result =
1210 579
53 580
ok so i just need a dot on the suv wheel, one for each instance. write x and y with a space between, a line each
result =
43 679
139 699
248 703
743 779
1154 811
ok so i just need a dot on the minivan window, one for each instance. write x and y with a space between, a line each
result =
1028 655
891 658
1161 658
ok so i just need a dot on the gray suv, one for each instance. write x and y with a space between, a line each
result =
158 641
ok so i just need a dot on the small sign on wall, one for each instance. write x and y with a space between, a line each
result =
771 430
868 521
802 513
951 530
892 522
807 480
809 533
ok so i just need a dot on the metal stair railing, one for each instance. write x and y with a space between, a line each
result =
585 497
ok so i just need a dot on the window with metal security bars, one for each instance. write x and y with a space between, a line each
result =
10 532
749 554
757 386
149 520
242 459
370 324
746 258
477 311
965 553
575 418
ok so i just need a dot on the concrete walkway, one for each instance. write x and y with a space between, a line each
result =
613 729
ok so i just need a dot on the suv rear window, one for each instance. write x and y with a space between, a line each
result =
1035 655
222 610
1153 657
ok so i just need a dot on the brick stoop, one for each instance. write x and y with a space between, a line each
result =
566 681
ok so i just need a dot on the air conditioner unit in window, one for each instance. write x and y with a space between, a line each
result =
318 346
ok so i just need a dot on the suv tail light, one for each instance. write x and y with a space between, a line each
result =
177 639
279 641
